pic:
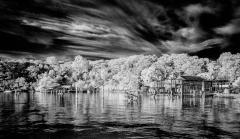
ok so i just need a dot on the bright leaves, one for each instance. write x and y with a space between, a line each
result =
124 73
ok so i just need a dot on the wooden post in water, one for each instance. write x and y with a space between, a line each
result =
203 86
181 90
202 101
175 86
76 97
76 89
76 94
103 87
221 85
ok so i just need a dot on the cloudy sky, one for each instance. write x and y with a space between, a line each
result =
117 28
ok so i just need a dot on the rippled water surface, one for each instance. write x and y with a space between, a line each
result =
111 115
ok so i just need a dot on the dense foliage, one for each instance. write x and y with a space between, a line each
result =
123 73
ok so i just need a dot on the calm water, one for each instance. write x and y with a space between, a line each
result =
110 115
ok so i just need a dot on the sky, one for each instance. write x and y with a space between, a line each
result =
118 28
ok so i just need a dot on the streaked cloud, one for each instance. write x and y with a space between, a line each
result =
115 28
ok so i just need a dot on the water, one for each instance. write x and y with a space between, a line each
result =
111 115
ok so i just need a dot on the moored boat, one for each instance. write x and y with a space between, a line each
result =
7 91
227 95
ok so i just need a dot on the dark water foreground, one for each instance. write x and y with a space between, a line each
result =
41 116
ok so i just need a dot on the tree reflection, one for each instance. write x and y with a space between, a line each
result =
163 115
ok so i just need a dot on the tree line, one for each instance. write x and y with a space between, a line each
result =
130 72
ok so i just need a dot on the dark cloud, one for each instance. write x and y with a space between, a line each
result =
115 28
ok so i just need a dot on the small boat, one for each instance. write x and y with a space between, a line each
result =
209 95
7 91
228 95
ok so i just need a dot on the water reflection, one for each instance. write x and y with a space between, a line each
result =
111 115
